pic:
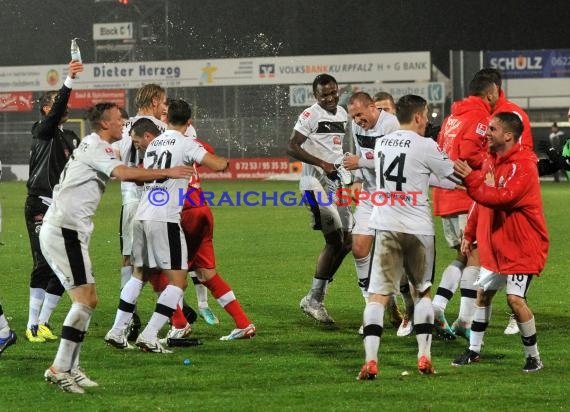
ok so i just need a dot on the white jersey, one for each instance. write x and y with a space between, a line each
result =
365 140
131 157
82 184
325 134
403 162
162 200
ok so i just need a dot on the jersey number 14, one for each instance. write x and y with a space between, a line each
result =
394 172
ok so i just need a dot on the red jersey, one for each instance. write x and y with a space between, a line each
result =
462 136
508 218
194 196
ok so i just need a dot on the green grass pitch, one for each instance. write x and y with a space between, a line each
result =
267 254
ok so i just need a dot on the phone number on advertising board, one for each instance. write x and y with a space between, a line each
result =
253 165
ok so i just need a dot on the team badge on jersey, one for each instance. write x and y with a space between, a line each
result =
306 114
337 139
481 129
109 151
369 155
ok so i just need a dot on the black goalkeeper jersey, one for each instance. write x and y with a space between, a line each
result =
51 148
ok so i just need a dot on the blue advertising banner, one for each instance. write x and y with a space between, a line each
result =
527 64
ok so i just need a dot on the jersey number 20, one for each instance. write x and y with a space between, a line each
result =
160 162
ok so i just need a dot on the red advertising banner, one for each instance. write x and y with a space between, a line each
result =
84 99
16 102
254 168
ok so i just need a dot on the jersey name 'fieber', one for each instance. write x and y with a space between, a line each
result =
395 142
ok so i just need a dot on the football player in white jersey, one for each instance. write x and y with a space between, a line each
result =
402 219
201 290
150 102
369 124
159 241
67 228
317 142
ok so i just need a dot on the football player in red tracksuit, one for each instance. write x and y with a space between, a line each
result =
526 141
508 223
462 136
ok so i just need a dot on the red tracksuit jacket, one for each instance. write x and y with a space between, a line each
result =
508 219
462 136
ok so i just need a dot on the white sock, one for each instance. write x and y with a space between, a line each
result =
3 320
36 300
447 286
74 328
201 295
318 289
468 295
362 268
373 322
528 337
4 332
201 291
129 296
126 273
165 307
423 325
4 327
50 303
481 318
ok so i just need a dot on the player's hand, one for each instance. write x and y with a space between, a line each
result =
180 172
74 68
350 162
466 247
462 168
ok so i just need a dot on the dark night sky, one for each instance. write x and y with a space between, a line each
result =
37 32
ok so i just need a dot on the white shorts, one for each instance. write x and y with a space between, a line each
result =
327 216
128 212
67 253
396 253
515 284
453 228
159 245
362 215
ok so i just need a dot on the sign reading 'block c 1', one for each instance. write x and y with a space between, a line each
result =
113 31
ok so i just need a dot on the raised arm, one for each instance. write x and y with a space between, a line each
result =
56 110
